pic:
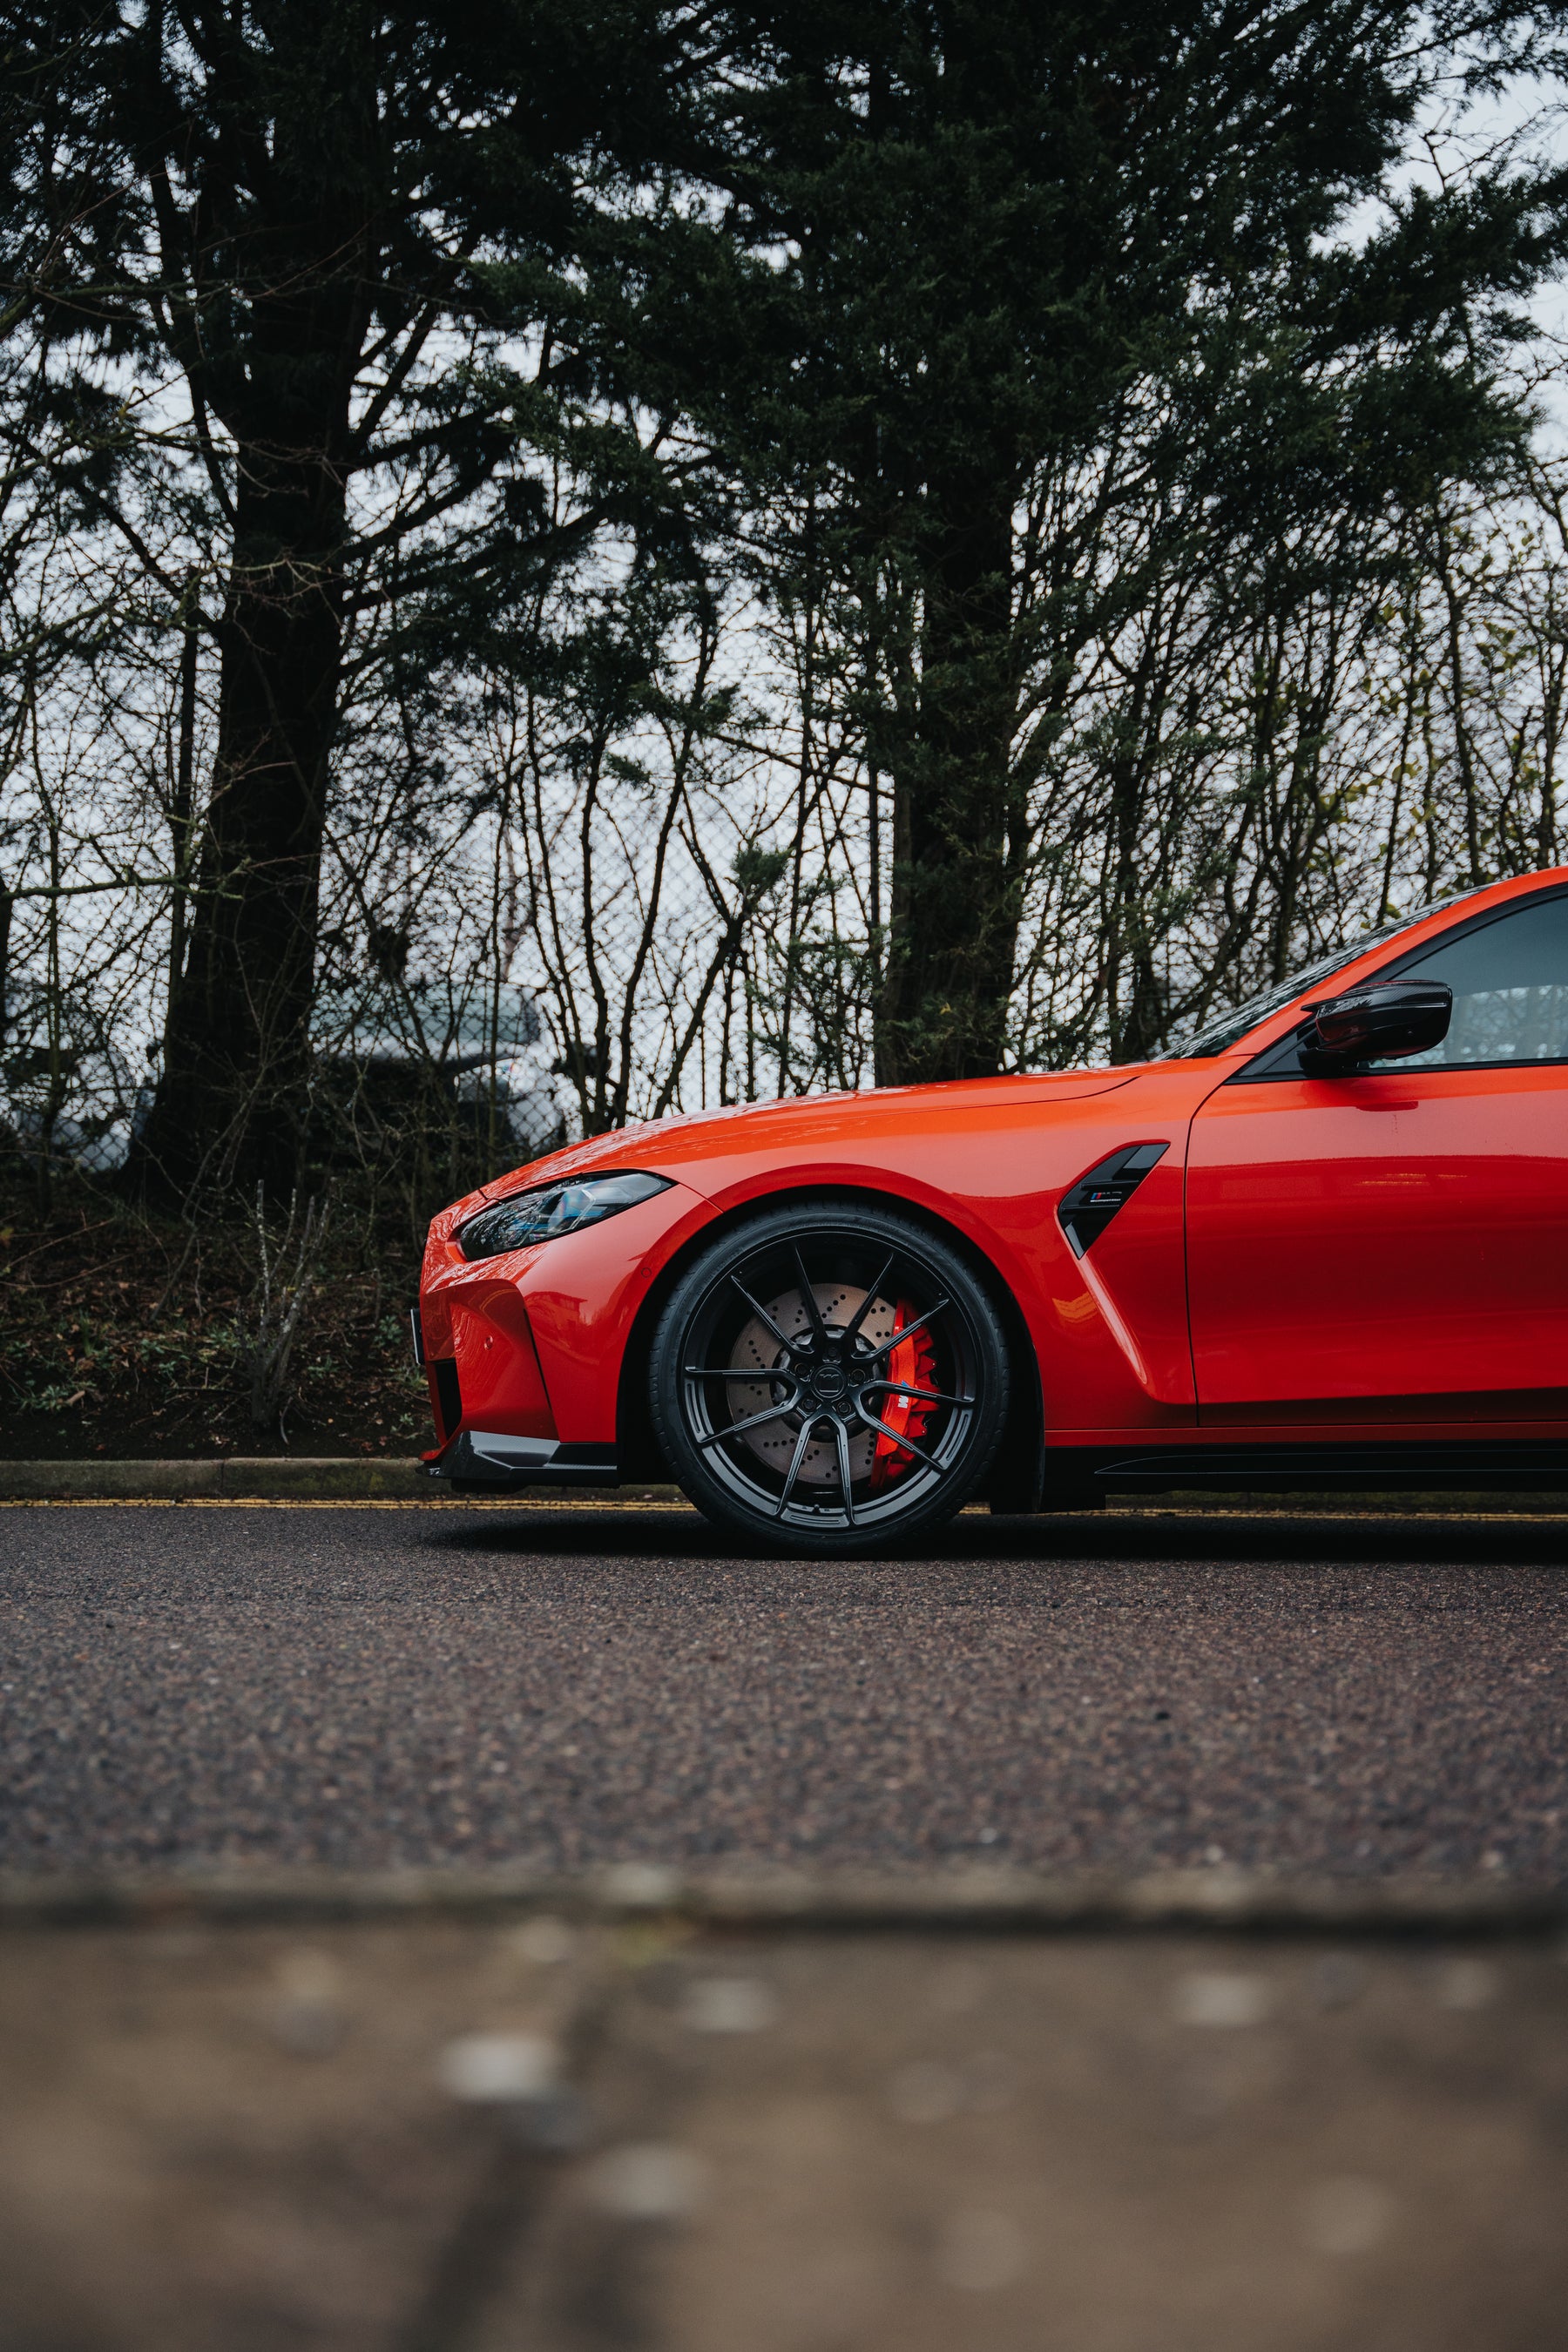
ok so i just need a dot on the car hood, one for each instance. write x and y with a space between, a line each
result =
671 1146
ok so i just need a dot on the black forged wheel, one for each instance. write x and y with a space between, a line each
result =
829 1379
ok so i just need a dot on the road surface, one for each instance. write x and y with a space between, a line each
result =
369 1687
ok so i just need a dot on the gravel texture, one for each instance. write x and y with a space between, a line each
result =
358 1686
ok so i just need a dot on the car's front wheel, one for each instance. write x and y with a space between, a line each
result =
829 1378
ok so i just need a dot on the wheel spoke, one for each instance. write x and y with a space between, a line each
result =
926 1396
904 1443
763 1315
844 1479
829 1382
852 1331
808 1300
739 1428
908 1332
808 1430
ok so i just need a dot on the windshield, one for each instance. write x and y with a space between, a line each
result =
1191 1044
414 1019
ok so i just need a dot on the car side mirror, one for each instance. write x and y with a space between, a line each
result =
1384 1020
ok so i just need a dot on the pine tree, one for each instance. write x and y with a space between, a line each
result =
995 244
324 218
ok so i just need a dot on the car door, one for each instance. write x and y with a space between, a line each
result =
1392 1244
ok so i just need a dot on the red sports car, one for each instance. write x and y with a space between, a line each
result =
1324 1240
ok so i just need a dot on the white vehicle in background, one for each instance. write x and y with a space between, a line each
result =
482 1047
67 1091
533 1106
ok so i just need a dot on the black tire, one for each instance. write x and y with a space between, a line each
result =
829 1379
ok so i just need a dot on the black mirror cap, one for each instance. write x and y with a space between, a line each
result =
1384 1020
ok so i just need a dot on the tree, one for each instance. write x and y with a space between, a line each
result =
342 250
1015 273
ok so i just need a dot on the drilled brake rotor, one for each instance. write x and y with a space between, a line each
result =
773 1442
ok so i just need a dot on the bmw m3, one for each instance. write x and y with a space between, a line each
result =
1323 1240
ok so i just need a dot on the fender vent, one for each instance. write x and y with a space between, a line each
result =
1086 1207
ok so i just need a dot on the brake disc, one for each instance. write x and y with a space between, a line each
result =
773 1442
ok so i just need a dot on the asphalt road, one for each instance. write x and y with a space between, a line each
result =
371 1687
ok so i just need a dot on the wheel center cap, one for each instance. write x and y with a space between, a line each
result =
829 1381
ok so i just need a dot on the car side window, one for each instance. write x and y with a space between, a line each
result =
1509 980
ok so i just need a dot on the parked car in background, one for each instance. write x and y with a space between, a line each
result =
385 1054
383 1050
67 1091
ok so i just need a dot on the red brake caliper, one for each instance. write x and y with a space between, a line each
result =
912 1359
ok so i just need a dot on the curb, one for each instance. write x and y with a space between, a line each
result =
262 1479
984 1901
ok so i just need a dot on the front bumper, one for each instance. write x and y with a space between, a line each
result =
487 1462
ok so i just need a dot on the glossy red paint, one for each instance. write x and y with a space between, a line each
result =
499 1376
1382 1247
1382 1254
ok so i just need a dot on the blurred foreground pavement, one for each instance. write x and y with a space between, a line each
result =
428 2129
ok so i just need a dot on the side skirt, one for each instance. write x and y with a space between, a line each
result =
1080 1476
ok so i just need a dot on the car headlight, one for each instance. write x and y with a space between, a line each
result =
554 1209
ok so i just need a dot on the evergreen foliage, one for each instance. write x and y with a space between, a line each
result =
1009 270
464 371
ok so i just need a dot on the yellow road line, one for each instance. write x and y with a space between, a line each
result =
304 1503
1123 1511
1117 1515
